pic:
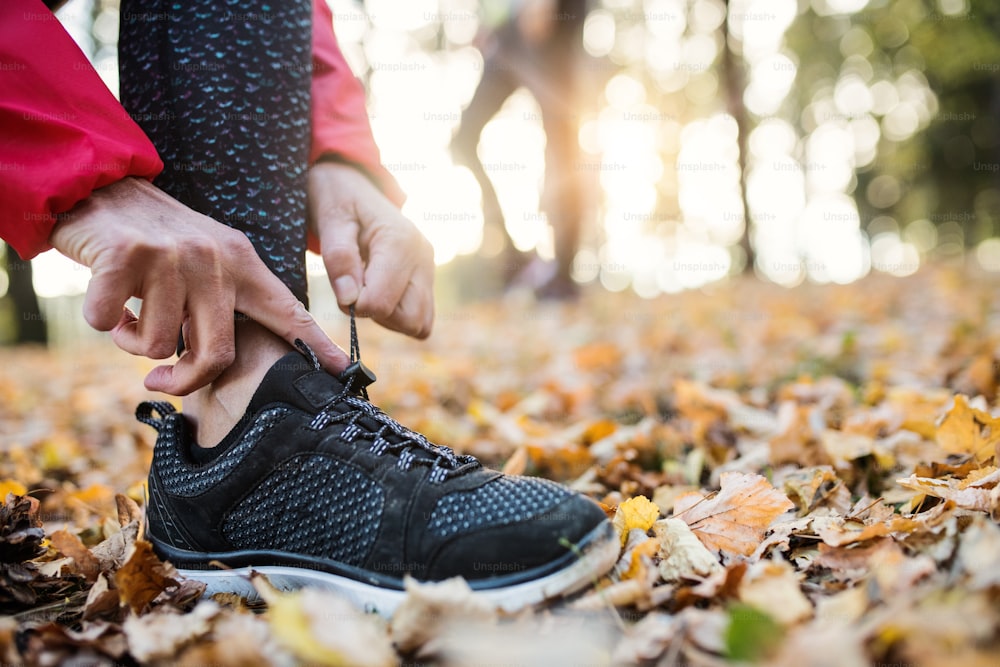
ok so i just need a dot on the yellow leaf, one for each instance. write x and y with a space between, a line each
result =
966 430
12 486
736 518
322 628
639 512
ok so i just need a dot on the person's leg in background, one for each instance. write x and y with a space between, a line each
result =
499 80
223 91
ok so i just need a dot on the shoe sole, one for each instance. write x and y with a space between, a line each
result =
591 558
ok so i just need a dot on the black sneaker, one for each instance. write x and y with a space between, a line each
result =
317 486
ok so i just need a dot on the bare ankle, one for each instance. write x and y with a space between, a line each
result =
215 409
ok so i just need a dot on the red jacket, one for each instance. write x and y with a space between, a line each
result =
63 134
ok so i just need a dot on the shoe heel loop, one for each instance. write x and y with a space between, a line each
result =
146 410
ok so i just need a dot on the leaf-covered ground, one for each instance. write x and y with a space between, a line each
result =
800 477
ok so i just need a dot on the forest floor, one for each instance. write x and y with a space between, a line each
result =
799 477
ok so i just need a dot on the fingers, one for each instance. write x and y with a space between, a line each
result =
342 257
399 286
209 344
367 242
106 296
154 333
264 298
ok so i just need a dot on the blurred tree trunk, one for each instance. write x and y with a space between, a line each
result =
734 83
29 324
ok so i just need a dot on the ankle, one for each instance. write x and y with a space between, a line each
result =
214 410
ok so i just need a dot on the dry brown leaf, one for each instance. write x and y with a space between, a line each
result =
116 547
162 636
682 555
70 545
810 488
630 592
837 531
143 577
735 519
775 588
972 498
979 554
236 640
102 602
517 463
821 645
128 510
429 610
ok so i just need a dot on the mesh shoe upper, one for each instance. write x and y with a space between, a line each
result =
315 472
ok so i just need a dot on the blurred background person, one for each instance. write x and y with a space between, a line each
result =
538 46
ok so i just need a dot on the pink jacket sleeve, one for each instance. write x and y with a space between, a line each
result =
340 124
62 133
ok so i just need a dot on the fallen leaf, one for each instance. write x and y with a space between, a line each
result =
143 577
683 555
237 640
128 510
821 645
972 498
810 488
735 519
12 486
103 603
430 609
70 545
775 588
323 628
979 554
162 636
639 512
838 531
20 529
517 463
751 634
967 430
597 356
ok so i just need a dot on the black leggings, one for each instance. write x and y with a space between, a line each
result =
222 88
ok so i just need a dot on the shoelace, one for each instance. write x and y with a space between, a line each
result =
443 461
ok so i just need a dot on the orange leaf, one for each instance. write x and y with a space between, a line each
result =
143 577
597 356
736 518
637 568
966 430
70 545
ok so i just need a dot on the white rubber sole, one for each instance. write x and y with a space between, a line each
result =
593 562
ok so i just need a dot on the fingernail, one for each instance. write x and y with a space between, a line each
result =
346 290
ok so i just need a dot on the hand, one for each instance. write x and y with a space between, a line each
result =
376 259
190 271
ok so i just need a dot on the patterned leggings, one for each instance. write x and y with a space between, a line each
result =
222 88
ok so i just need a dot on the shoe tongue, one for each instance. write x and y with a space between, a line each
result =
284 382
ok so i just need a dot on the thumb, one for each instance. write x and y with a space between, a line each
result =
342 257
